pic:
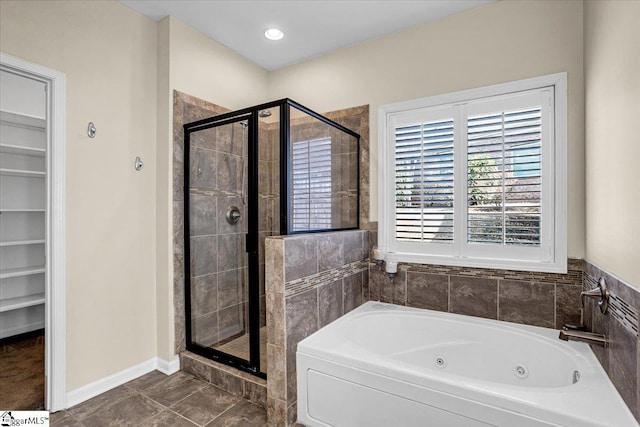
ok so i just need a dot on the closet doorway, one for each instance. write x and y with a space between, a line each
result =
32 331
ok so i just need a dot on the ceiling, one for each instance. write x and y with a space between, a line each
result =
311 28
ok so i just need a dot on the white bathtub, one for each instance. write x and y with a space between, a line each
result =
391 366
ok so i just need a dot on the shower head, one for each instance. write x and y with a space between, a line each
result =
264 113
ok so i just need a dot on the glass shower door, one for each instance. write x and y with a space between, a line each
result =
218 268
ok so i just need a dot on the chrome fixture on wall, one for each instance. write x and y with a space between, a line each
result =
601 293
579 333
138 164
233 215
571 333
91 130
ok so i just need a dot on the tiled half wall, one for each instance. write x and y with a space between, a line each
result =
311 280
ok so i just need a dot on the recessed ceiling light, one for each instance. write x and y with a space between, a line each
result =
273 34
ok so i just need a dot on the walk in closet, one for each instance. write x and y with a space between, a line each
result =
23 201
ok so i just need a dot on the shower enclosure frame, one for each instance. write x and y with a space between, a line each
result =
251 115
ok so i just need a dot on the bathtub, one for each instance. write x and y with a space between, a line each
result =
391 366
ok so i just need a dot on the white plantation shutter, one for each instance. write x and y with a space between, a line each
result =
504 177
476 181
424 181
311 185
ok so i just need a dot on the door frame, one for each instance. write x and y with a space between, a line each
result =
55 247
252 364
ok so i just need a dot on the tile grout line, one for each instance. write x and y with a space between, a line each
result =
222 413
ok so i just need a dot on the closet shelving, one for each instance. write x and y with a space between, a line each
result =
22 222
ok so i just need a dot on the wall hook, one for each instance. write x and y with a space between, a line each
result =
91 130
138 164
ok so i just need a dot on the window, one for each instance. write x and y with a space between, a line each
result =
311 185
477 177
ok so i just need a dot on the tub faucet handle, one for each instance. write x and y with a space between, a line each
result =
601 293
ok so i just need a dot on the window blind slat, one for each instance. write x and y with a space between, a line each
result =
311 184
424 181
504 177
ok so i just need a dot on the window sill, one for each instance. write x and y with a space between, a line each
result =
559 266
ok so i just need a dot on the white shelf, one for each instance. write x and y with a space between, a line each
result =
18 172
20 272
11 117
22 243
21 210
21 302
19 149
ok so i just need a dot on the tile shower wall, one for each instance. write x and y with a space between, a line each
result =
311 280
268 195
218 256
344 172
357 120
540 299
187 109
621 360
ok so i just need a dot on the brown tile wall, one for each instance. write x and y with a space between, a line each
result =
344 179
357 120
268 196
187 109
541 299
306 289
621 360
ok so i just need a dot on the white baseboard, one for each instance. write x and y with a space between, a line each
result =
168 367
102 385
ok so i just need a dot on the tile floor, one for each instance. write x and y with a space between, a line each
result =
159 400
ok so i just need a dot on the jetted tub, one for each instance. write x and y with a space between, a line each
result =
391 366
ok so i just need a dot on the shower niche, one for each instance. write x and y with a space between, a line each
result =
272 169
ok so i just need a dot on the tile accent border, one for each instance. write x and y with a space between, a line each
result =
619 309
314 281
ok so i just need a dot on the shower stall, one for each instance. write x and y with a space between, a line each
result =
272 169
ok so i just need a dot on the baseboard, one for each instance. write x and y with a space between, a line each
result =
102 385
168 367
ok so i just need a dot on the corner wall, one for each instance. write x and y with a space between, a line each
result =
612 83
108 53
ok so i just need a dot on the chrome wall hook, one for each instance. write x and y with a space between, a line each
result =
91 130
138 164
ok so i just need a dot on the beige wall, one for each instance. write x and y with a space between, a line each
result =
612 82
499 42
192 63
108 54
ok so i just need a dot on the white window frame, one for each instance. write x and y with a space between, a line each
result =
552 256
